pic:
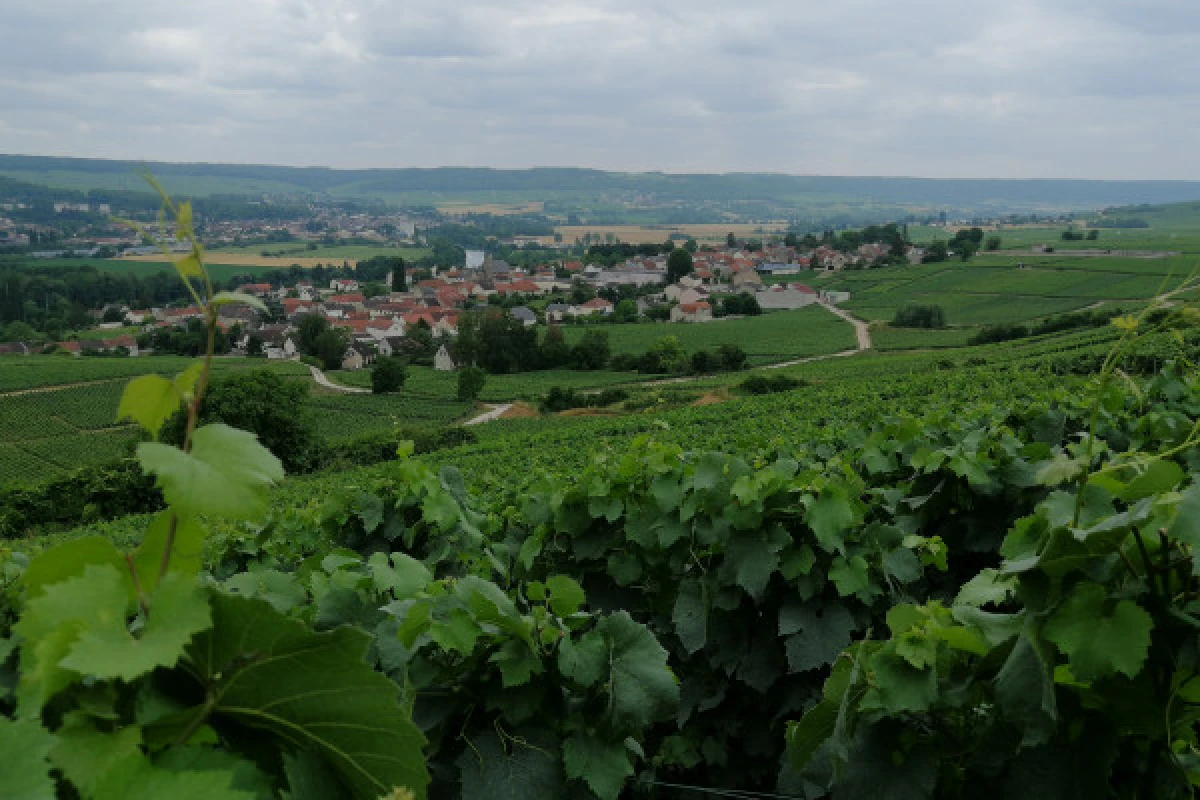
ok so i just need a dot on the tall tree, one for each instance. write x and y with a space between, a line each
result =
679 263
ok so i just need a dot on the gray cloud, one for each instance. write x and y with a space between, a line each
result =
1009 88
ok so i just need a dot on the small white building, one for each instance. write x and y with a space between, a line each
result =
442 362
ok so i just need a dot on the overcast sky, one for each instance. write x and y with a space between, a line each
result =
938 88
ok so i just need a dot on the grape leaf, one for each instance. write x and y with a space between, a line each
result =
1185 528
68 560
149 400
226 474
1100 637
109 650
691 615
829 515
749 562
53 622
312 690
820 631
584 661
187 553
239 298
641 686
603 766
850 576
25 774
566 596
86 755
139 779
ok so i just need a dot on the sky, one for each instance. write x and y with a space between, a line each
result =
932 88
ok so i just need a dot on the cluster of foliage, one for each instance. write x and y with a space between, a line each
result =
742 304
769 384
919 316
1094 318
1072 235
388 374
560 399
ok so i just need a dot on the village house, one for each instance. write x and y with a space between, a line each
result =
442 362
597 305
692 312
555 312
524 315
746 279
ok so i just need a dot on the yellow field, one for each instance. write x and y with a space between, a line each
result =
251 260
642 234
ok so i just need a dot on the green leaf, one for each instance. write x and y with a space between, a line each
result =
641 687
24 774
179 610
1161 476
524 765
1185 528
817 634
405 577
988 587
898 686
458 632
603 766
69 560
311 690
850 576
53 622
149 400
585 661
829 515
1098 635
517 663
690 615
85 755
139 779
1025 691
749 562
806 736
566 596
239 298
227 473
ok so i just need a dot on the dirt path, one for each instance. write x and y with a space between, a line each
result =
861 329
493 412
320 378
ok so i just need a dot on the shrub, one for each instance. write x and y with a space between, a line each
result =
991 334
388 375
470 383
770 384
918 316
267 405
90 494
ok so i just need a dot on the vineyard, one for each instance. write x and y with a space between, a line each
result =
776 336
964 573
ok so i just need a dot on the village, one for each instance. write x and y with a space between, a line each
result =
562 292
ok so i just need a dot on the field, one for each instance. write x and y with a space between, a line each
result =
656 234
772 337
251 255
141 268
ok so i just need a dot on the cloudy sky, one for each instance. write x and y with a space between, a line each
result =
939 88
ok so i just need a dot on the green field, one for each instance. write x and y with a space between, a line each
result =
351 252
774 336
116 266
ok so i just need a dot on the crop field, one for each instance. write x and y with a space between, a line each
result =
775 336
437 386
324 253
335 257
342 416
885 337
656 234
30 372
143 267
